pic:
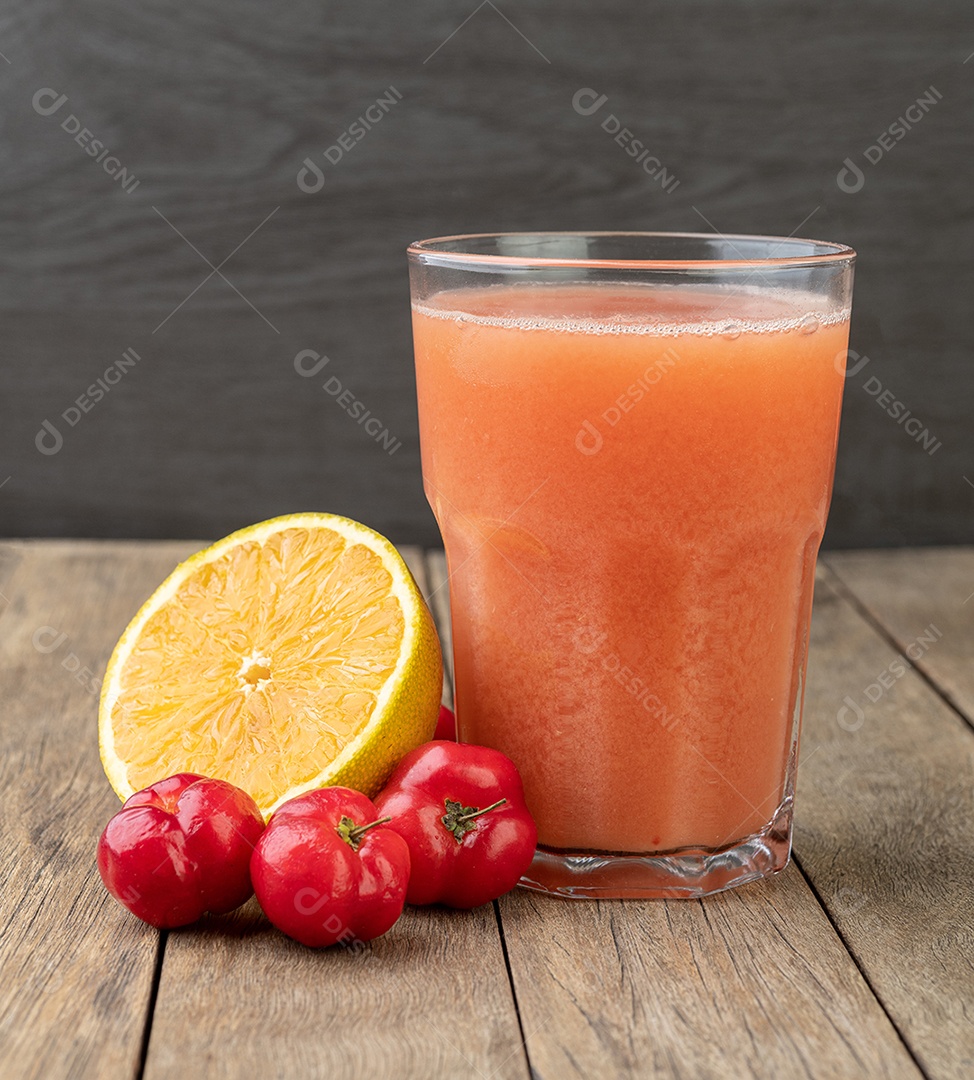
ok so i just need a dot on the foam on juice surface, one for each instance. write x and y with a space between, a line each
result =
659 310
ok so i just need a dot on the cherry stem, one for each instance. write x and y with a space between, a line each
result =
352 833
477 813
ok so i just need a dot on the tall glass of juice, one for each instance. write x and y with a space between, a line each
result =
628 442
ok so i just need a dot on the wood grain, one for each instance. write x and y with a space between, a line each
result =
417 562
751 983
75 968
439 598
885 826
429 999
215 111
909 591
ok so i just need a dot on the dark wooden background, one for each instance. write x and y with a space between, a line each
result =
214 105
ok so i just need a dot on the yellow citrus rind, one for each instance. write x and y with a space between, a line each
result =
405 706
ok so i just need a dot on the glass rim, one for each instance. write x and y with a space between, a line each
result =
447 251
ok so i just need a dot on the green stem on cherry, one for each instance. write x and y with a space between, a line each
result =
352 834
459 819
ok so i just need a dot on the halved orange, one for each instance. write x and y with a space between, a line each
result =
293 654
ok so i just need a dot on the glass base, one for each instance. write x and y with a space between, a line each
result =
685 874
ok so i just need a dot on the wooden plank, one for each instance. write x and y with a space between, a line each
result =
885 825
429 999
921 592
439 598
752 983
418 565
75 969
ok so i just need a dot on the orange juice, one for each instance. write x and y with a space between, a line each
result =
632 483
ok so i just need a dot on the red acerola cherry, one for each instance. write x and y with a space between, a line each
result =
179 848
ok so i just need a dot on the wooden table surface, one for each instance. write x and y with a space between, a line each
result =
856 961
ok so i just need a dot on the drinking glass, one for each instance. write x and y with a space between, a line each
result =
628 442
